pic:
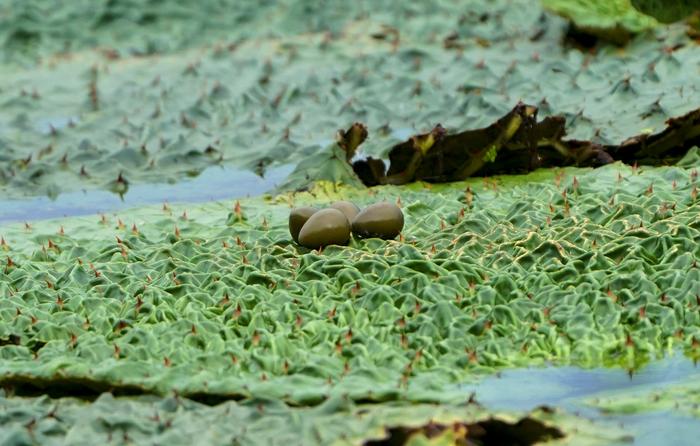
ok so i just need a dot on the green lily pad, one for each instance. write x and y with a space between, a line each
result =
615 20
585 267
669 10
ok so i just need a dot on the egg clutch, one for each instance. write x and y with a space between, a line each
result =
314 228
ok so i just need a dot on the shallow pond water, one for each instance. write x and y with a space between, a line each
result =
215 183
568 388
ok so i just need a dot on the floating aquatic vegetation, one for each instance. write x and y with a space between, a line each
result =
516 143
681 399
215 302
163 117
178 421
613 20
668 10
579 266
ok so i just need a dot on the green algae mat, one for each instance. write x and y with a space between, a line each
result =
182 321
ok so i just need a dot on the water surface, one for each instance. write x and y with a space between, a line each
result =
568 388
215 183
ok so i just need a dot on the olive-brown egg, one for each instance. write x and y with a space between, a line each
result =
348 208
297 218
325 227
383 220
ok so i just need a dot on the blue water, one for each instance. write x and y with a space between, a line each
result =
215 183
568 387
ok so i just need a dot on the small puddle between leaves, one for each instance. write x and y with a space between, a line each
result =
215 183
568 387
